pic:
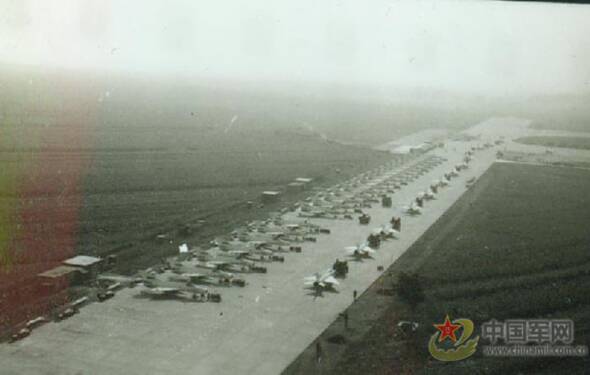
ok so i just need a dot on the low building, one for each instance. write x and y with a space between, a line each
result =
91 265
270 196
401 150
62 277
304 180
295 187
411 149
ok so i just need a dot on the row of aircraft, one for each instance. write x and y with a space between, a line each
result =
364 191
249 249
341 202
245 250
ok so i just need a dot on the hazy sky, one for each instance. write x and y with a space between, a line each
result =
471 46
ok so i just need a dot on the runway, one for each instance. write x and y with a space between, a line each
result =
258 329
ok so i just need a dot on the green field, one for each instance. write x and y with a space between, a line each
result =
86 172
515 246
128 158
582 143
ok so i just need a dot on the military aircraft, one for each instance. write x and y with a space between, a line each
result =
155 287
360 252
324 281
429 194
259 255
387 232
161 292
257 250
218 278
311 213
413 209
461 166
242 247
231 264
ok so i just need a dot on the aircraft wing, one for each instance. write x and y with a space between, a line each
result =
330 280
238 252
388 229
310 279
219 263
195 275
162 291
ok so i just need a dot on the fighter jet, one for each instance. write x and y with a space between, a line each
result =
259 255
413 209
155 287
264 240
230 264
223 265
241 249
161 292
217 278
387 232
259 251
360 252
429 194
461 166
324 281
311 213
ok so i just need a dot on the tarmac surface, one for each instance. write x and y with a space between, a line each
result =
259 329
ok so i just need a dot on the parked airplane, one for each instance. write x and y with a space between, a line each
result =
322 281
387 232
429 194
360 252
162 289
413 209
218 278
232 265
161 292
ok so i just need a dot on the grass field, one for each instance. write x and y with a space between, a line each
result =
515 246
121 195
116 201
96 164
102 165
582 143
67 189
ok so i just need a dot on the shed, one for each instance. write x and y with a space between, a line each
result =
61 277
270 196
83 261
296 187
304 180
88 263
60 271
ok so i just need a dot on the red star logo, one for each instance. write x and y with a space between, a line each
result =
447 329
